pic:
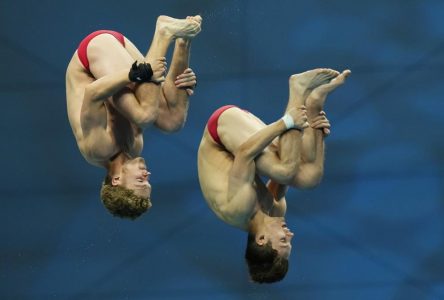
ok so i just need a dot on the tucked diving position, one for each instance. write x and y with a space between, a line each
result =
114 92
237 150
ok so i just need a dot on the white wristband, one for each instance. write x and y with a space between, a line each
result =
288 120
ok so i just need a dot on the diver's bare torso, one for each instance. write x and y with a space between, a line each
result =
215 162
121 135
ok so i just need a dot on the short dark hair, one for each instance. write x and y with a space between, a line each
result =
122 202
264 263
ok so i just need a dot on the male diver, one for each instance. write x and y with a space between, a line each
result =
114 92
238 150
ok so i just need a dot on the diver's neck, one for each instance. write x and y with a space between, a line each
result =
116 162
257 221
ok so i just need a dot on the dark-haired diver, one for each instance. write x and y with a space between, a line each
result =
114 92
237 148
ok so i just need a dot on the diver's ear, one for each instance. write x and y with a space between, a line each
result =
260 239
115 181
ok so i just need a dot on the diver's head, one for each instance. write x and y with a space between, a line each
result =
268 250
126 191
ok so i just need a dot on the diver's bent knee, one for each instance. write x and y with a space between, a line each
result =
307 180
284 173
304 185
147 118
290 171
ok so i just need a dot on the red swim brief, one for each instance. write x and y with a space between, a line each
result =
82 49
212 122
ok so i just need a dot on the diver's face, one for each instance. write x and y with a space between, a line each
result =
280 236
135 177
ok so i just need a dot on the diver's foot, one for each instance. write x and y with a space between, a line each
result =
316 100
196 18
301 85
179 28
186 42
